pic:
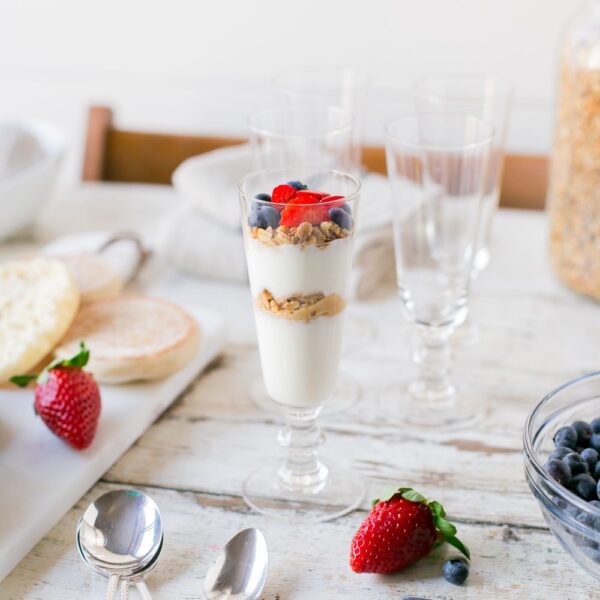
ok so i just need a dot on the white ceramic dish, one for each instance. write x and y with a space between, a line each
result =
30 157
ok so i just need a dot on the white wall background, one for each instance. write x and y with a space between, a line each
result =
202 65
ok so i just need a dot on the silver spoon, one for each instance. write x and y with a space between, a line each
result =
120 536
240 570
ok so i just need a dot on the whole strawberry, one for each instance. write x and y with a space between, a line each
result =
67 399
400 530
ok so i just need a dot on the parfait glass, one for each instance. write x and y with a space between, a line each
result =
320 136
437 165
343 87
299 261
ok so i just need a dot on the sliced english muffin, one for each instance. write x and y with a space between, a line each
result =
133 338
94 276
38 302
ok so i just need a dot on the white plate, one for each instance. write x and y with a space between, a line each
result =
41 478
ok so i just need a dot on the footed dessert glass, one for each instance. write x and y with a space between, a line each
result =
437 167
299 254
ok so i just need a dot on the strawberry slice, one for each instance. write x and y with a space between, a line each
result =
331 201
292 216
312 194
283 193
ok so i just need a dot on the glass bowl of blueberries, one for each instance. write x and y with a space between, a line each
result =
562 466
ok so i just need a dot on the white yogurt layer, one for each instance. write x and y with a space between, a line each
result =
287 269
300 360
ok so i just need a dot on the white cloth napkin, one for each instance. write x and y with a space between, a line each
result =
204 237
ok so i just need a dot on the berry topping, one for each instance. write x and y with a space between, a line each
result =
595 442
263 197
283 193
297 185
340 217
271 216
317 195
595 425
559 453
566 437
400 530
347 208
292 216
255 218
455 571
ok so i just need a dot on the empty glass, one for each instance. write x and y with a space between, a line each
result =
437 166
319 136
488 99
343 87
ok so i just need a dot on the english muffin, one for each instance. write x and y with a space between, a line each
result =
38 302
133 338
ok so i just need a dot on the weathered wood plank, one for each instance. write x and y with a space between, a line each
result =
306 564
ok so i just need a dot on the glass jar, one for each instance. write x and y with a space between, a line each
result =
575 175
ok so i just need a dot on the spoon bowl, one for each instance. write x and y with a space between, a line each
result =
240 570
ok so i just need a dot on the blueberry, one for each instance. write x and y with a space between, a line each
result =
340 217
572 510
597 471
584 432
576 463
271 216
595 442
565 437
263 197
455 571
584 486
591 458
559 453
255 218
597 488
595 425
298 185
560 502
559 471
347 208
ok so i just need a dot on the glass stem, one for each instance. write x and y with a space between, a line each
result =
431 354
301 439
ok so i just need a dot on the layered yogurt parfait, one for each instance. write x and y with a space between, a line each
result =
298 231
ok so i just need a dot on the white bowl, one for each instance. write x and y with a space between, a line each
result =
30 157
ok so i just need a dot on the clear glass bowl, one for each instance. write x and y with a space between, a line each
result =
574 522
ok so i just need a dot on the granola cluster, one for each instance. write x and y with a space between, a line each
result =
301 307
575 183
303 235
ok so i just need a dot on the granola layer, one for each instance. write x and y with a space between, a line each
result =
301 307
304 235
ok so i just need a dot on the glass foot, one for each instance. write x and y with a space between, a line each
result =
407 405
346 394
340 491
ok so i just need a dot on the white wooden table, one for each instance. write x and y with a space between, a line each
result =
535 335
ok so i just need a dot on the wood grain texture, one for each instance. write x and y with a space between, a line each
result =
534 335
119 155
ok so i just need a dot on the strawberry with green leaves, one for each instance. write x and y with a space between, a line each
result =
401 529
67 399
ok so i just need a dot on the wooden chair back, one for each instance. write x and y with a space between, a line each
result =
113 154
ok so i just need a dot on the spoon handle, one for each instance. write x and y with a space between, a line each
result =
143 590
124 589
113 583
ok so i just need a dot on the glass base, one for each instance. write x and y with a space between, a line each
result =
431 412
338 492
346 394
